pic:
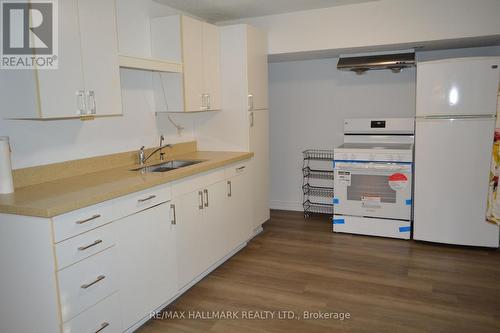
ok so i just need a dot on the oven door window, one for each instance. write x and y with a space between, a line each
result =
370 189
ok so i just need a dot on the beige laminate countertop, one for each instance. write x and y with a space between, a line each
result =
64 195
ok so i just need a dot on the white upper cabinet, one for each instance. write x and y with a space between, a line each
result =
257 69
211 66
87 82
99 42
192 52
201 61
197 44
61 91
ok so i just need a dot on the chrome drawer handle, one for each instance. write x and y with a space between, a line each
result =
83 248
206 194
103 326
147 199
89 219
240 168
174 218
200 193
88 285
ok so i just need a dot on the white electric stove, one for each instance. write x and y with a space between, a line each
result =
373 178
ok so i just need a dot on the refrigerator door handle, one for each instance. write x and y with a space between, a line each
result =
445 117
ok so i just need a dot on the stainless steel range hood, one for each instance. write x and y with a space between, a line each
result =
360 64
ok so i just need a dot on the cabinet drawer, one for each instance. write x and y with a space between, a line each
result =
86 283
82 220
83 246
138 201
237 169
103 317
88 218
197 181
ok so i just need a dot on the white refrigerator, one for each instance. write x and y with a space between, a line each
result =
455 121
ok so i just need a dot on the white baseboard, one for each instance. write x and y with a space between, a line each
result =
256 232
286 205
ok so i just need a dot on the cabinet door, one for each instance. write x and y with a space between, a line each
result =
191 232
215 220
147 262
57 89
239 210
211 66
257 69
192 55
100 56
259 144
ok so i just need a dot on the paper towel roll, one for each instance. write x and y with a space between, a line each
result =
6 183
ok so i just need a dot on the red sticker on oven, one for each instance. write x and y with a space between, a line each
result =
398 181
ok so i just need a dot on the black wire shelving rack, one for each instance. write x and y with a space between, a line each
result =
317 184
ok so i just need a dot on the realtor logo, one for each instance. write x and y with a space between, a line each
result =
29 34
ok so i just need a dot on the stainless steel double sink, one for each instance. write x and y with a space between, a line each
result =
167 166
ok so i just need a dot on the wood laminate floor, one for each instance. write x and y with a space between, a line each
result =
385 285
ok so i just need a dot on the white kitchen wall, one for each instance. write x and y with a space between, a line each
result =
378 23
308 102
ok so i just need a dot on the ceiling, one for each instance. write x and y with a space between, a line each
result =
225 10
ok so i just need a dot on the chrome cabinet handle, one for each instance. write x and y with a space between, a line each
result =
174 219
103 326
251 119
250 102
209 106
98 279
83 248
96 216
230 185
240 169
146 199
91 101
204 101
206 194
80 102
200 193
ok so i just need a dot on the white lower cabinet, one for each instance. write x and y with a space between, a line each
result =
212 221
259 144
216 212
191 236
238 222
107 267
147 262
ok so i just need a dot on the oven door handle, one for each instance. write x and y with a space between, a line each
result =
372 167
